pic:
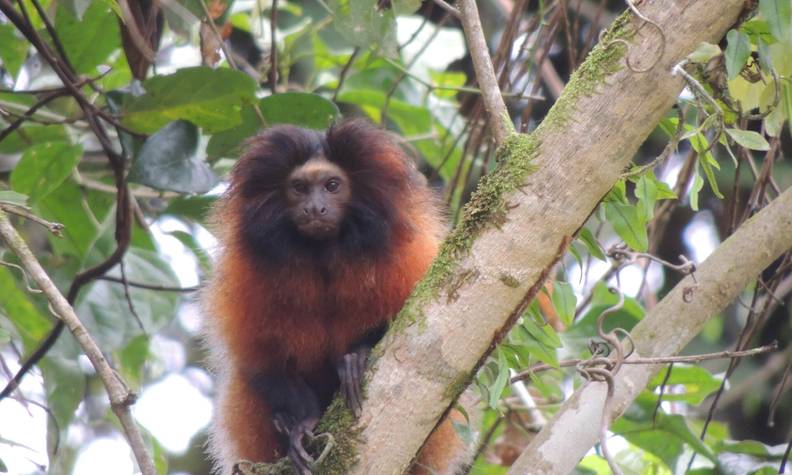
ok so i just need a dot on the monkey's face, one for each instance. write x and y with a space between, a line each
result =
317 193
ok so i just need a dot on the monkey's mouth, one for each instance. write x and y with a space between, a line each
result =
317 229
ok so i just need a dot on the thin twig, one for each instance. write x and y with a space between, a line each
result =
223 45
447 7
128 297
141 285
273 72
135 34
637 360
500 123
345 71
27 213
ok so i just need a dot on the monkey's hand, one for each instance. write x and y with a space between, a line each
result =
295 413
296 431
350 368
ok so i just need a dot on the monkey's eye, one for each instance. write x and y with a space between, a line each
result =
299 186
332 185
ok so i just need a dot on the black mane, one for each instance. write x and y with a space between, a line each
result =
380 176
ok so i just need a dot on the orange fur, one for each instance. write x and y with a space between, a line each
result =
260 318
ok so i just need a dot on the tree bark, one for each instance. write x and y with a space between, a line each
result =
665 331
487 274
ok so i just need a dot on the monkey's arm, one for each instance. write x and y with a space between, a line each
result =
295 412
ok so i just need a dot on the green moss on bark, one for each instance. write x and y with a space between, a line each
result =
487 207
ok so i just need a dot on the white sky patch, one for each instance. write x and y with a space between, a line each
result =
23 451
169 352
190 317
173 410
180 258
700 236
105 455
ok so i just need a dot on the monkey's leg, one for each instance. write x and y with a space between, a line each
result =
243 427
296 412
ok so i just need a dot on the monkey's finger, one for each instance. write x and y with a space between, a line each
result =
297 444
343 386
355 383
301 466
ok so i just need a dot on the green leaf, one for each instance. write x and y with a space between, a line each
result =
210 98
646 192
695 189
496 389
758 30
411 119
43 168
90 41
364 24
587 237
80 230
311 111
29 135
104 309
628 224
664 438
539 342
737 52
76 7
195 208
167 161
707 166
132 359
697 383
748 139
704 52
706 161
452 79
64 383
778 14
485 468
751 447
14 49
564 301
5 337
189 241
12 197
16 304
230 143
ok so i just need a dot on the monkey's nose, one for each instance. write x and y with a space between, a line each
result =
315 211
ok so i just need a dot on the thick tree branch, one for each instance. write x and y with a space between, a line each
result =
663 332
518 223
120 396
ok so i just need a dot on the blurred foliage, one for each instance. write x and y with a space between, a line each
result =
402 66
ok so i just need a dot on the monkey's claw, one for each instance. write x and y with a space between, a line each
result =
351 368
299 457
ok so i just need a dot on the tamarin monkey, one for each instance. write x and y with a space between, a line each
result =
323 236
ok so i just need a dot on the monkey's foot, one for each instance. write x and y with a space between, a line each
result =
351 368
296 432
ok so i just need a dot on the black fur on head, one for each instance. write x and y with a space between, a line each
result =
381 177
